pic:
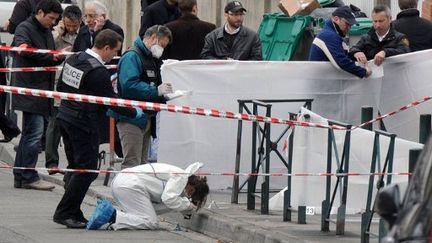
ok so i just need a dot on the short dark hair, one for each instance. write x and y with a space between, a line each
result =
406 4
382 8
160 31
199 183
49 6
73 13
186 6
107 37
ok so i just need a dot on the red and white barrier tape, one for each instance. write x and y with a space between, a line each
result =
189 110
210 173
35 50
159 107
41 69
403 108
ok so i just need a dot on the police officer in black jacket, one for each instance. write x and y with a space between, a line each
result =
84 73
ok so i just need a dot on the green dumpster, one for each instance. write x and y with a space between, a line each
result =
356 31
325 3
283 38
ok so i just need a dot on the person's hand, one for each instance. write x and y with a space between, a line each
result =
368 72
165 88
60 28
379 58
360 57
6 26
139 113
99 22
23 45
60 55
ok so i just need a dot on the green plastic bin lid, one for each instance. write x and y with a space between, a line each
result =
363 26
324 3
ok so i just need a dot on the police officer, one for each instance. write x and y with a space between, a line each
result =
84 73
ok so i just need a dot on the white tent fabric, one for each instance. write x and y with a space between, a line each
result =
337 95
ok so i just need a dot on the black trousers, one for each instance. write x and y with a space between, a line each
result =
82 152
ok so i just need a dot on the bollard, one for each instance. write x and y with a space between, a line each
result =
425 128
414 154
367 115
301 215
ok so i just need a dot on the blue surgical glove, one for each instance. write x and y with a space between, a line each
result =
139 113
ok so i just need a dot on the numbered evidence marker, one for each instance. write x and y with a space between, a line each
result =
310 210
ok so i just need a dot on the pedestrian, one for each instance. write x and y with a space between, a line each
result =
144 191
188 33
96 19
417 29
64 34
233 40
84 73
381 41
158 13
329 45
139 79
35 32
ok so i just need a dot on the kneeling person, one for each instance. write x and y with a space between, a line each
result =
142 192
85 73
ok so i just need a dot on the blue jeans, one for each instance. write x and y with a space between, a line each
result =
28 148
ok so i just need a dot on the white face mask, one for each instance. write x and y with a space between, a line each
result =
156 50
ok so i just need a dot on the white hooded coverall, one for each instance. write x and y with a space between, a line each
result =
139 194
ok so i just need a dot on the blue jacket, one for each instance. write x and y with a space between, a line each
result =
329 39
130 84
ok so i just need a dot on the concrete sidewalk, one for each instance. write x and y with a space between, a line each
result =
225 221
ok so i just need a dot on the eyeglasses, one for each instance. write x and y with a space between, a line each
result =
90 16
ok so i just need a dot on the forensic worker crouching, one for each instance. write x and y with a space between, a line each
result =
144 191
85 73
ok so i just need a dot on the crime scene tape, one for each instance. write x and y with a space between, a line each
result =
191 110
277 174
41 69
159 107
35 50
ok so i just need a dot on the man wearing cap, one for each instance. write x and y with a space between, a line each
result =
329 45
232 41
381 41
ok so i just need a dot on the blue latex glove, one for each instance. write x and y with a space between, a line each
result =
139 112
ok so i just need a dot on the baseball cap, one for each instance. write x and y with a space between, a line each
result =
346 13
234 6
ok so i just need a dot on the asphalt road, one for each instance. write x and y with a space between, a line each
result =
26 216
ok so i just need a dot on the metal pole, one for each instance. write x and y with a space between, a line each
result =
235 187
265 189
425 127
414 154
367 115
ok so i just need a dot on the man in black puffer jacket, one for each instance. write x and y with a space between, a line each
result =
381 41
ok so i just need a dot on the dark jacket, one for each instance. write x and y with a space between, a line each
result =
418 30
246 46
394 43
85 39
188 37
159 13
95 80
22 10
329 39
134 82
32 33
